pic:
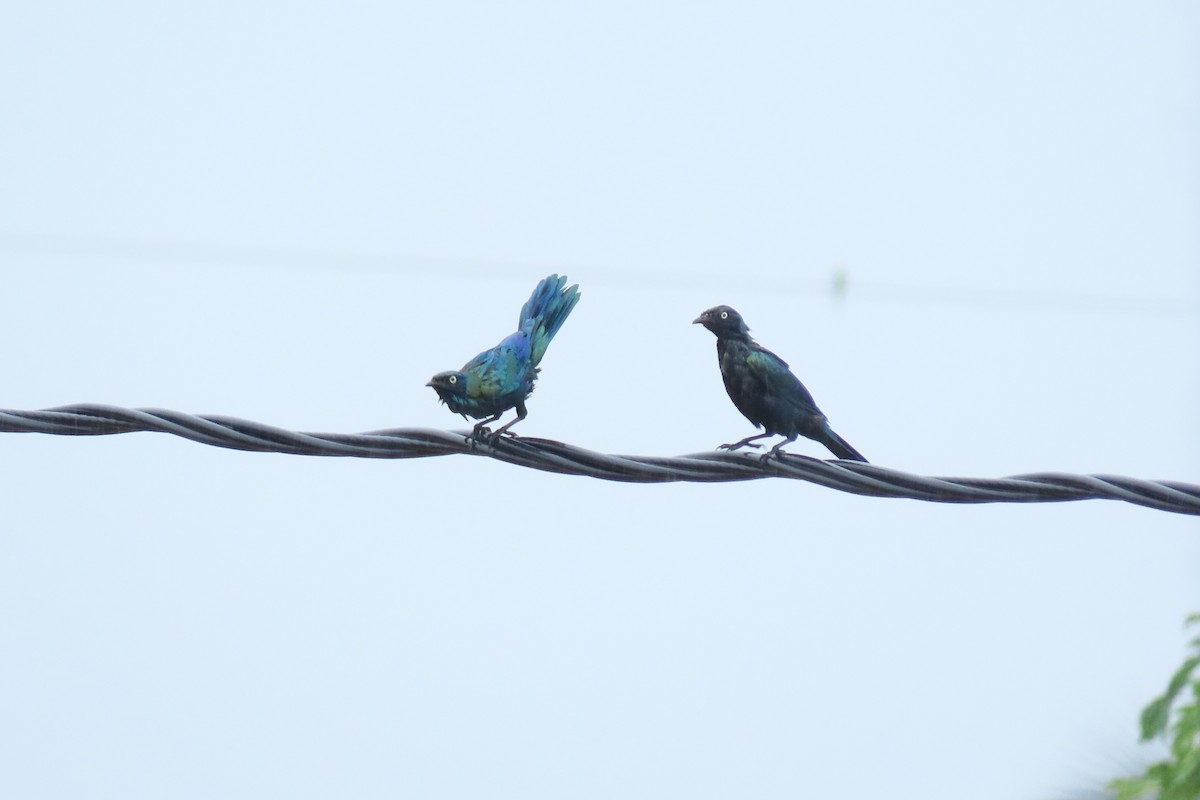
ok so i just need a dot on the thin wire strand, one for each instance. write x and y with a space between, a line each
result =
551 456
840 284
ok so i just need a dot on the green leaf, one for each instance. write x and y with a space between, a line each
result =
1181 676
1186 730
1188 776
1160 771
1132 788
1183 781
1177 778
1156 715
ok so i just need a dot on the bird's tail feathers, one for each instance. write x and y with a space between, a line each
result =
837 445
545 312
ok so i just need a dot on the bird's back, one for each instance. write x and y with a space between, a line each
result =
499 377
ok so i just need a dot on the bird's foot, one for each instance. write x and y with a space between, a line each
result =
501 433
485 435
737 445
775 452
480 434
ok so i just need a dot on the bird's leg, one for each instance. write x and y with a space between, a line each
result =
775 451
521 414
744 442
480 433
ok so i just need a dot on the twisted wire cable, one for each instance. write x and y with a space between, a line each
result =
551 456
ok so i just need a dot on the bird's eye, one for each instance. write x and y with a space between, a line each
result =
724 315
453 379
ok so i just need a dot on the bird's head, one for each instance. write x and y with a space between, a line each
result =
449 384
723 321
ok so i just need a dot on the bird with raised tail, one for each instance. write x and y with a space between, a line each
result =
764 389
501 378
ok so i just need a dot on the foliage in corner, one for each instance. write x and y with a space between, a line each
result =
1177 777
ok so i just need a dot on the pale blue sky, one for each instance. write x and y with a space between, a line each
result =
297 215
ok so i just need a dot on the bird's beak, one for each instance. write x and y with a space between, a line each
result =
698 320
430 383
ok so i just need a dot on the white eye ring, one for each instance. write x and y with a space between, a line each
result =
724 315
453 379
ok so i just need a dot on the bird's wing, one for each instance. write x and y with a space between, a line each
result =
499 371
767 367
773 374
764 360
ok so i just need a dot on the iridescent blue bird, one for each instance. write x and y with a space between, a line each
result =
766 392
501 378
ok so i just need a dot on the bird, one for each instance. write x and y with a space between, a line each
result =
501 378
764 389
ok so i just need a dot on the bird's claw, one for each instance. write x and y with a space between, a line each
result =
479 435
484 435
774 452
737 445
